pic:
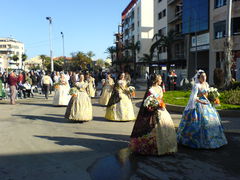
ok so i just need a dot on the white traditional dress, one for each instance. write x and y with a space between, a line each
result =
91 86
120 107
154 131
106 91
62 97
80 106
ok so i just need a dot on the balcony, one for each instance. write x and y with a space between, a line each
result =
177 17
171 1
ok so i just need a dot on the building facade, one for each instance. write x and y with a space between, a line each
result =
195 27
8 48
137 33
160 29
178 49
218 31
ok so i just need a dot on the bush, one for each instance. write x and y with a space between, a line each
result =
234 86
218 77
231 97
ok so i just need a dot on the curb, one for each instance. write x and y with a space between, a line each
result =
222 113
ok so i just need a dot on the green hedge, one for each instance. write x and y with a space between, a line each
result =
181 98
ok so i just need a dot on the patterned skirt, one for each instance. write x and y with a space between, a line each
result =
201 128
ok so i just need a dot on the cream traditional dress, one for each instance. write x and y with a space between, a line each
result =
120 107
91 86
80 106
62 97
106 91
153 132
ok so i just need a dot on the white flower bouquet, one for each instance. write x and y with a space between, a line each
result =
132 91
213 96
151 103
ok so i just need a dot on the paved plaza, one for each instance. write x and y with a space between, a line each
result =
37 143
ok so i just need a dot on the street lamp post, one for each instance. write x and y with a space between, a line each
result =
63 49
50 41
228 46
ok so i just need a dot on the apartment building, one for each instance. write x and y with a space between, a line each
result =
137 33
8 48
178 60
218 30
195 27
160 28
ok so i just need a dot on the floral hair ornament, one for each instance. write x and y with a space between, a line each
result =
197 75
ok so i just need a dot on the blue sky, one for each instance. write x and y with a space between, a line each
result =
86 24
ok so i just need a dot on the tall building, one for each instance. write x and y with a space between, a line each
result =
137 34
160 28
195 27
8 48
218 30
178 50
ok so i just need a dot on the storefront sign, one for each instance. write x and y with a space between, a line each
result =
200 48
202 39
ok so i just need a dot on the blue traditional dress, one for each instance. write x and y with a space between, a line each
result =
200 126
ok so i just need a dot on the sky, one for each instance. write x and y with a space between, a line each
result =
87 25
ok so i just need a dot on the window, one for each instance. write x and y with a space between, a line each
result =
160 15
219 29
220 3
164 12
236 26
159 1
178 28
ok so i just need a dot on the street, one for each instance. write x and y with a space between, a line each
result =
38 143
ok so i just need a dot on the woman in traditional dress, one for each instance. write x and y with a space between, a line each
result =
80 106
91 85
62 97
154 131
108 84
200 126
120 107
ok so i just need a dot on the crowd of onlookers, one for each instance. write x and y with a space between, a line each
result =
22 84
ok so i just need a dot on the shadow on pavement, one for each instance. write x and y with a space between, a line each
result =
43 118
100 118
117 137
190 164
38 104
97 145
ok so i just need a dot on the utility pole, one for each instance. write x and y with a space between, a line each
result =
228 47
64 60
50 41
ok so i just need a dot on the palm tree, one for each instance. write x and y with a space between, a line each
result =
43 58
15 58
111 50
147 58
24 57
134 47
164 41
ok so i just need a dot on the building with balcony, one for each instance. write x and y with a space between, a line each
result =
160 28
137 33
178 51
195 27
218 30
8 48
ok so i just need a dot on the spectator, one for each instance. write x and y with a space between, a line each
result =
12 82
46 83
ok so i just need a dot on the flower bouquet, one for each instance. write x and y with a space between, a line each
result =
151 103
213 96
73 91
56 85
132 91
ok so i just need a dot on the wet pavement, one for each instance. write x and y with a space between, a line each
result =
187 164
